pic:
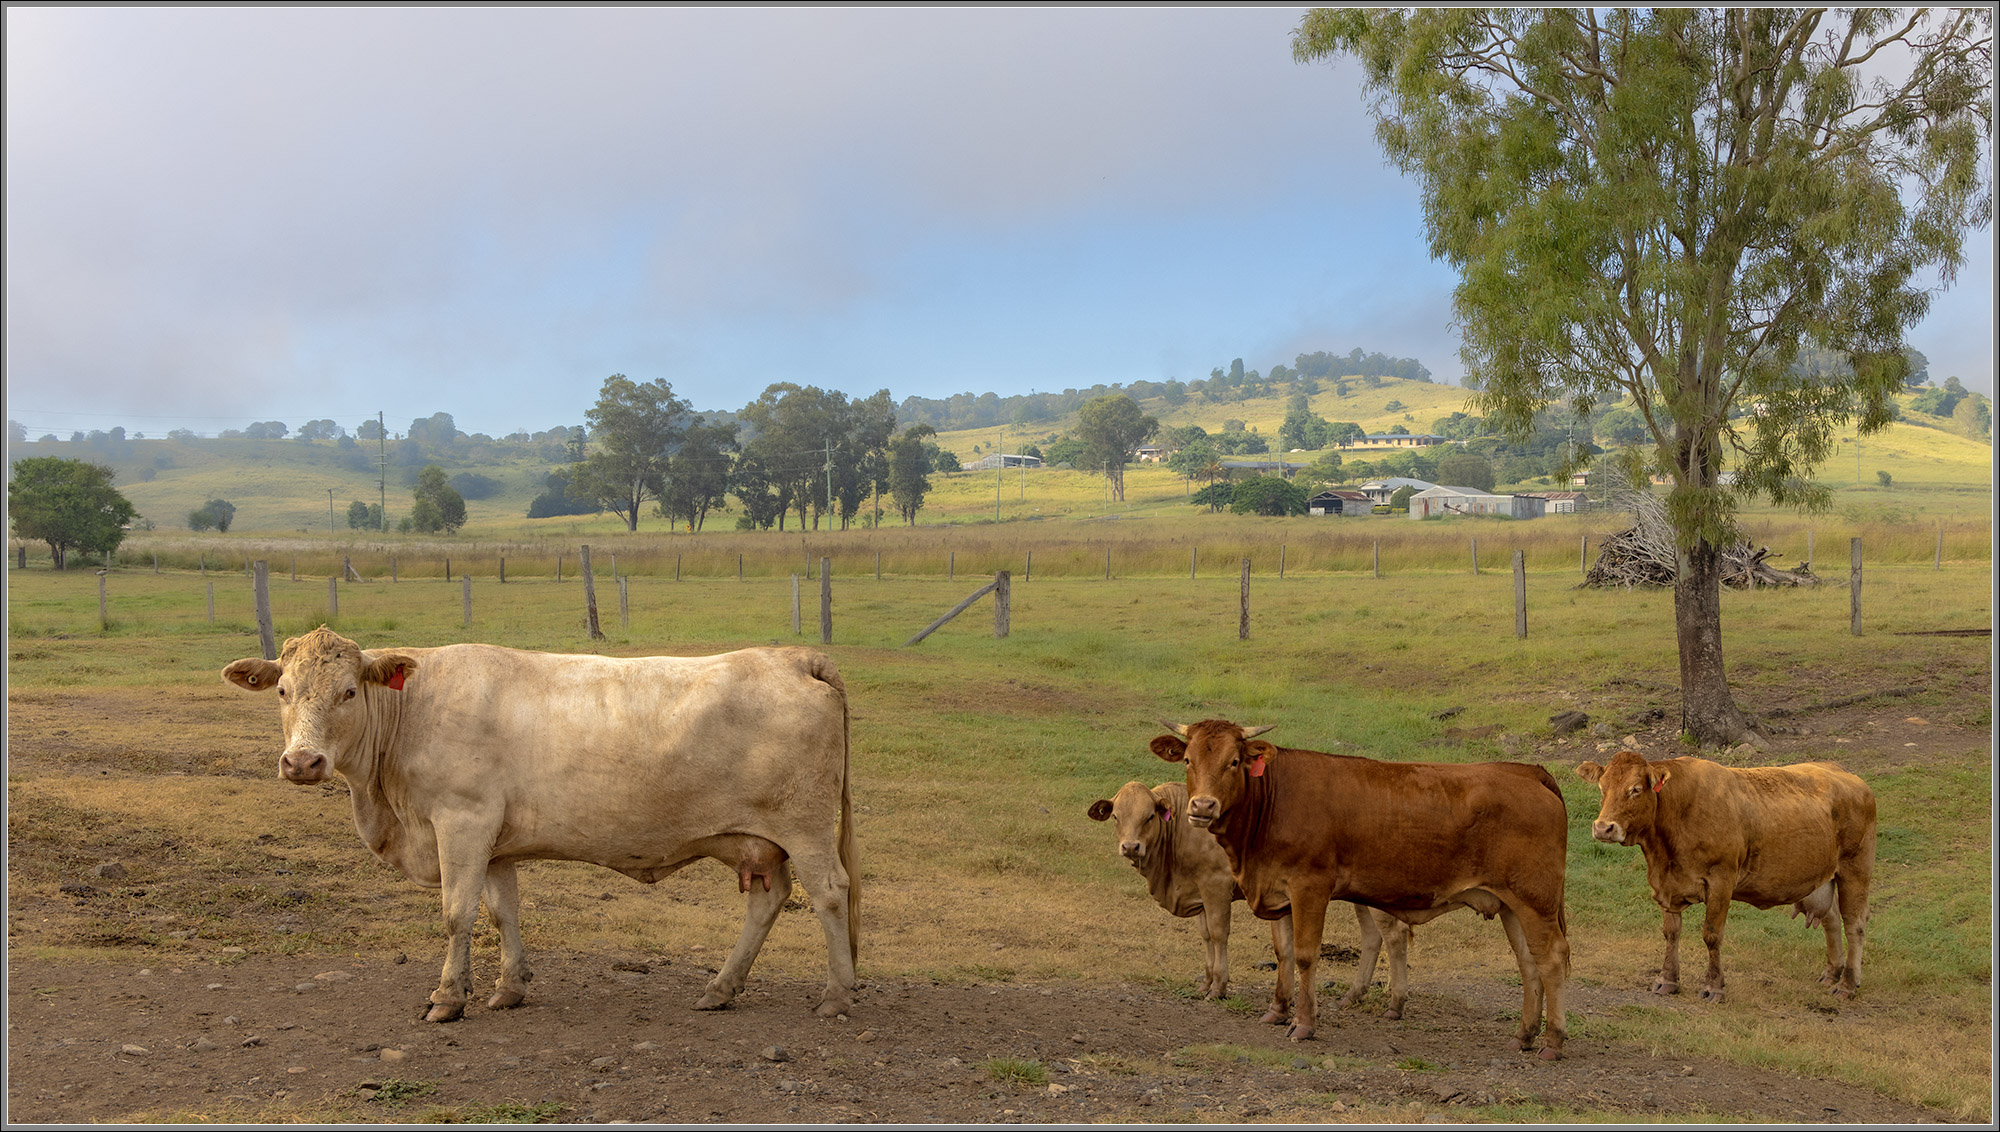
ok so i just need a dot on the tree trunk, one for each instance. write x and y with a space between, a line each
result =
1708 712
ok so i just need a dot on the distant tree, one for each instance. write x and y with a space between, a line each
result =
910 471
698 480
370 430
69 504
1324 470
1466 469
1197 459
1215 496
1975 412
364 516
556 499
17 433
1268 495
266 430
216 514
1882 478
1110 428
174 434
1174 393
435 432
436 505
1068 450
321 430
637 429
1241 443
1399 499
472 485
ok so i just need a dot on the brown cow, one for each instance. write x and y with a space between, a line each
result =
1187 874
1801 835
463 761
1416 840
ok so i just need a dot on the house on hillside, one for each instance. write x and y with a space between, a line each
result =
1439 501
1379 491
1402 439
1344 503
995 460
1149 454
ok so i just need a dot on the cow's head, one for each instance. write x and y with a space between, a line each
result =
323 682
1221 758
1141 820
1631 788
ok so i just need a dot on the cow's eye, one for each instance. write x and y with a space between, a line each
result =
1632 793
281 693
350 694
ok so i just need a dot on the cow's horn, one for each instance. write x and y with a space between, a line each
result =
1253 732
1179 729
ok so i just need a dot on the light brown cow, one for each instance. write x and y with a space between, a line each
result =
463 760
1188 874
1801 835
1416 840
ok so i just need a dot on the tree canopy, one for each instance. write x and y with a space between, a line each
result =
635 429
1668 205
1110 428
69 504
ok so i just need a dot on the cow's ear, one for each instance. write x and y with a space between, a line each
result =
1100 810
1170 747
1656 781
389 668
1259 749
1589 772
1162 810
253 674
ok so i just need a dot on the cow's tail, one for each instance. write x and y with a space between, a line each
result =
824 671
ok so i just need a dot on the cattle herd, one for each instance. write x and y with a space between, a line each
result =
462 761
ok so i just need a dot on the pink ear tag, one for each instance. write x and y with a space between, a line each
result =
396 681
1257 767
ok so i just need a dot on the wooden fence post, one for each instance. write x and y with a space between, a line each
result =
202 558
1243 616
677 567
1854 585
1938 562
503 569
266 638
1809 550
1520 596
392 571
739 566
103 609
795 603
1193 552
826 601
558 567
211 601
1107 563
295 568
951 566
1378 558
878 565
614 567
447 568
24 559
590 595
1003 599
1583 554
624 604
1028 575
1281 561
954 611
1475 558
465 588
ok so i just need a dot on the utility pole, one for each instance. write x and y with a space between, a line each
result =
999 473
329 512
382 469
829 483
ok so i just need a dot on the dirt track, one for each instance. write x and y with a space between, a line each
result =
237 1039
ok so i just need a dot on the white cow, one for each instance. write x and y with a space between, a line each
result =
466 759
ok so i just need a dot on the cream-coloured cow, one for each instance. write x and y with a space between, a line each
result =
464 760
1187 873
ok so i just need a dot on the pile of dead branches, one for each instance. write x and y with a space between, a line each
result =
1644 554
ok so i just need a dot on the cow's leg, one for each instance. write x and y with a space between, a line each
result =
1308 929
1396 934
1371 949
1281 997
503 907
464 849
1669 981
1215 941
1854 918
1717 917
826 882
768 892
1531 980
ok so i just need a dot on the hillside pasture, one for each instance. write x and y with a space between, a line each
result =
975 759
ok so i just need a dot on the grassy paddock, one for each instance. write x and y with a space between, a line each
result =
1009 741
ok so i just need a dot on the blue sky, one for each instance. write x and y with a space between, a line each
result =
216 216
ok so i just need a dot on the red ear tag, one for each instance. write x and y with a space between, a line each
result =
396 681
1257 767
1657 784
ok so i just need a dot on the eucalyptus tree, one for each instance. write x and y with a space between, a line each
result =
635 430
1668 205
1110 428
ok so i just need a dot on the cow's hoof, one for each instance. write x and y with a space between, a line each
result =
1275 1017
1393 1014
1842 990
1300 1033
1350 1000
713 1000
1662 986
445 1012
1711 994
504 1000
1551 1053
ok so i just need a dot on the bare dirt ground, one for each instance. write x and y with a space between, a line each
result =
180 1031
608 1037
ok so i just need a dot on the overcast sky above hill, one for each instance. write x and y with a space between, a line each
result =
218 215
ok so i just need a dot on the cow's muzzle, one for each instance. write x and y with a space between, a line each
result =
302 766
1202 811
1133 851
1608 831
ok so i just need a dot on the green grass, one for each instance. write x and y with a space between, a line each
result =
1015 1071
